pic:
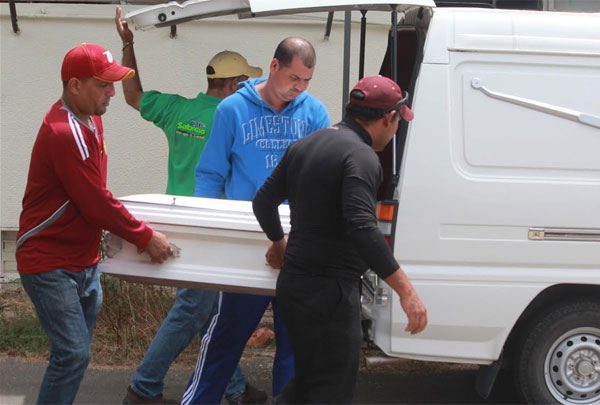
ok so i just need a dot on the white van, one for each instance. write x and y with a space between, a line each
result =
495 190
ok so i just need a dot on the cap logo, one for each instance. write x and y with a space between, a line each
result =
109 56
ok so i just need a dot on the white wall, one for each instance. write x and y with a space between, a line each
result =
30 80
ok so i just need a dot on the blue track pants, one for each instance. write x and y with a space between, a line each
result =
230 328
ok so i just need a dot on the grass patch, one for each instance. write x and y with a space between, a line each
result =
20 331
130 317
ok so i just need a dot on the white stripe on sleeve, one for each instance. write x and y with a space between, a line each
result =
78 139
85 148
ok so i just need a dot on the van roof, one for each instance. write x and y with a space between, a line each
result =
478 30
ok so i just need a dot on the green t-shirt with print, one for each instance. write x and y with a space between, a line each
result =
186 123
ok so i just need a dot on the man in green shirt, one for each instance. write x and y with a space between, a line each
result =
187 124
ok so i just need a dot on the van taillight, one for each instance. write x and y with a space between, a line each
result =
387 212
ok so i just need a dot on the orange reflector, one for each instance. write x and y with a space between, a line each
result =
385 212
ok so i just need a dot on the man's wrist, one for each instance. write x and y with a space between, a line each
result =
126 44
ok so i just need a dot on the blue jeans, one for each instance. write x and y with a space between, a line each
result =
67 305
188 317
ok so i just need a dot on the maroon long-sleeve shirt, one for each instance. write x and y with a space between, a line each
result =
66 203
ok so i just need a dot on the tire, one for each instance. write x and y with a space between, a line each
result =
558 360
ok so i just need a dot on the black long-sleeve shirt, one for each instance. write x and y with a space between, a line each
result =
330 179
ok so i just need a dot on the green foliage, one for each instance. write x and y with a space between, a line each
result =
20 331
131 314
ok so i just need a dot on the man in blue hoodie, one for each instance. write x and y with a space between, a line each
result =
251 131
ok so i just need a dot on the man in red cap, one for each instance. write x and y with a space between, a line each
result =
330 179
65 207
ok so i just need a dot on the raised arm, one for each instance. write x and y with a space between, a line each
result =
132 88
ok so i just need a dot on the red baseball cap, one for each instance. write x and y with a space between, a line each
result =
91 60
381 93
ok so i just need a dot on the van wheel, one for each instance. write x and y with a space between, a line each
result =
559 358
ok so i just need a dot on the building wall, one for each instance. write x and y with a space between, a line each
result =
30 80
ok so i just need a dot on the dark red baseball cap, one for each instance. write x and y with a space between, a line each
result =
91 60
381 93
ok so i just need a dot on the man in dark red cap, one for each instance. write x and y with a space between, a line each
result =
330 179
65 207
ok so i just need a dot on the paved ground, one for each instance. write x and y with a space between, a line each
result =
397 382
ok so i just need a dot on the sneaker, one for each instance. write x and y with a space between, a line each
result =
132 398
252 395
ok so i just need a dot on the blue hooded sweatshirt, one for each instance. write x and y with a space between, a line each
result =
248 139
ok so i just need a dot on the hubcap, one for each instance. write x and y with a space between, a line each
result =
572 367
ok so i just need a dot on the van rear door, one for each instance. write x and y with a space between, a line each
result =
176 13
499 184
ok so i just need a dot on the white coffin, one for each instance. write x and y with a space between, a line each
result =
219 245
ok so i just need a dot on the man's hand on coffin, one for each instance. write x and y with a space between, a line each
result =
159 247
275 253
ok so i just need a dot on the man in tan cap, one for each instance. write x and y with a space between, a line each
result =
65 207
187 125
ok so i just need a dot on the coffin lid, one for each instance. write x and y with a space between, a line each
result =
198 212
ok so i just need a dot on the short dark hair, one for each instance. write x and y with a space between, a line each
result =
366 114
295 46
220 83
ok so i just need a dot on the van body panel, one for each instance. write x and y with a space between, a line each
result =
471 309
477 178
510 31
439 39
478 174
524 31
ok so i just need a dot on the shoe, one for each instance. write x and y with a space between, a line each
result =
132 398
252 395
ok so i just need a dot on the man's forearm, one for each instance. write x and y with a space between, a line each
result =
400 283
409 300
132 88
